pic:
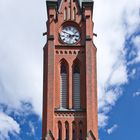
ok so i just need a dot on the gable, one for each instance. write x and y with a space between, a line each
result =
49 136
90 136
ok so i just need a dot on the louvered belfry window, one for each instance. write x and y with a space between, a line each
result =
76 87
63 86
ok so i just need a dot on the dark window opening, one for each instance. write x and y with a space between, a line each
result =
76 69
59 131
80 135
73 130
67 130
63 69
73 135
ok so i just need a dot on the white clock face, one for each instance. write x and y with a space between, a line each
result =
70 35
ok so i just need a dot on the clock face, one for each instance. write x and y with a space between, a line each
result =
69 35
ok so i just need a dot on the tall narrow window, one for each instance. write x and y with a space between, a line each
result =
80 135
76 87
73 131
67 130
63 86
65 13
74 13
80 130
59 131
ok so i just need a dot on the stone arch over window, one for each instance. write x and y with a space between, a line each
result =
63 84
59 130
67 130
76 85
73 130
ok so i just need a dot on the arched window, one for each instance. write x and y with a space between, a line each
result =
67 130
80 130
73 131
63 86
59 131
76 87
65 13
74 13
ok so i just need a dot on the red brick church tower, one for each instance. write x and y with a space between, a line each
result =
69 85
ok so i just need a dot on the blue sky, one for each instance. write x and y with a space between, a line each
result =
117 24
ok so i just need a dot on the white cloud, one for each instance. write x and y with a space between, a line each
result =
136 94
21 49
112 129
32 129
8 126
136 41
119 75
114 21
132 73
102 120
106 102
21 43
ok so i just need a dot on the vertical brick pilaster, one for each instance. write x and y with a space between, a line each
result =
70 130
77 130
91 89
57 130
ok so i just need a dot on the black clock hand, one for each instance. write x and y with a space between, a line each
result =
66 32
